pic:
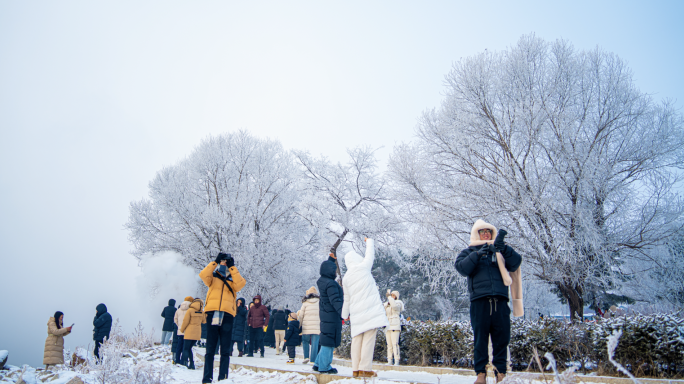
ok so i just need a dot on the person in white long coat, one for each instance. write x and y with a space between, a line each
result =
363 307
393 308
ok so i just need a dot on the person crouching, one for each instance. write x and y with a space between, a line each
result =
292 336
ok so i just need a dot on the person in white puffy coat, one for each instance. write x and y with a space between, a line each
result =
393 309
363 307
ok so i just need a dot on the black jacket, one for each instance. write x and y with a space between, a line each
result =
168 314
292 334
484 277
238 321
102 323
330 305
269 338
279 320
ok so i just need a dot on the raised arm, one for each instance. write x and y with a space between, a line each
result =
207 274
370 254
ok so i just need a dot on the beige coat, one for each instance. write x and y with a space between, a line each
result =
180 315
54 344
192 321
308 316
393 310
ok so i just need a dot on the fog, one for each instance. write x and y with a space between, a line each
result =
95 97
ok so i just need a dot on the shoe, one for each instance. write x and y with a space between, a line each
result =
315 368
306 361
332 371
367 374
250 355
291 361
355 374
481 378
500 377
396 364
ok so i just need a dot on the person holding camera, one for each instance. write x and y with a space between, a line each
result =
393 309
54 344
224 282
488 263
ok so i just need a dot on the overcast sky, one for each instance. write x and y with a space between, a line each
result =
95 97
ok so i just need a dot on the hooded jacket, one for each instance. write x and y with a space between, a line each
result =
486 278
102 323
219 296
393 309
258 315
239 321
279 320
180 315
168 313
54 344
292 333
309 316
361 295
192 321
330 305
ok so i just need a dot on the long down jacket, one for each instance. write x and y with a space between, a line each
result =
309 316
54 344
102 323
192 321
168 313
219 296
330 305
361 295
239 321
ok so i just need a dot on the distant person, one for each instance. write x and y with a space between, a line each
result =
54 344
330 309
167 329
292 336
393 309
310 320
269 336
362 305
279 325
224 282
102 326
238 328
192 331
178 320
257 318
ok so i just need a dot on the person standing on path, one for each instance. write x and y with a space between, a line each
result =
330 310
362 305
102 326
54 344
311 324
192 331
257 319
393 309
292 336
238 328
490 266
224 282
279 326
168 314
178 320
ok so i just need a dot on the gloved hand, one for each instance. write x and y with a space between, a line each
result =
220 257
492 248
499 243
230 262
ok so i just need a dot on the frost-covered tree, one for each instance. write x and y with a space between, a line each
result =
557 145
238 194
345 201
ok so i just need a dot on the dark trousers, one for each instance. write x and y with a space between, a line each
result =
187 354
240 344
256 340
291 351
490 316
179 348
218 334
96 352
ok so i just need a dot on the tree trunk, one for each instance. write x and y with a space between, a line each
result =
573 294
333 250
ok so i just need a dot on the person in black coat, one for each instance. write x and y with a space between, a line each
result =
292 336
102 326
238 331
279 319
490 315
269 337
167 329
330 312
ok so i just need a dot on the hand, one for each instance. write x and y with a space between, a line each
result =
68 329
264 329
365 239
332 255
492 248
219 257
387 294
230 262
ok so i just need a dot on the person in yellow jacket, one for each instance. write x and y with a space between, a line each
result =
192 331
224 282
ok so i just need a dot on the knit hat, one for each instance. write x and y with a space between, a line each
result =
396 294
293 315
189 298
311 290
